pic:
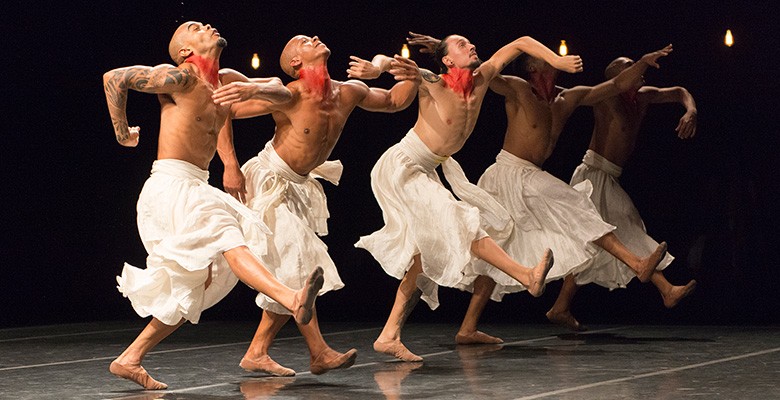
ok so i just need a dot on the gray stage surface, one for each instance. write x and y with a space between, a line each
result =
536 362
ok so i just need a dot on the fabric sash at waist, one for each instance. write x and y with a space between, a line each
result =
302 193
491 212
506 158
595 160
329 170
184 170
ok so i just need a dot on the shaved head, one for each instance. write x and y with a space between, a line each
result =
617 66
183 39
177 43
289 52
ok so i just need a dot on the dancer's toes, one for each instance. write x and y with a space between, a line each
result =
539 274
476 337
330 359
396 349
137 374
265 364
304 299
650 263
565 319
678 293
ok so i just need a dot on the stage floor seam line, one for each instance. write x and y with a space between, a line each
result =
56 363
649 374
19 339
549 337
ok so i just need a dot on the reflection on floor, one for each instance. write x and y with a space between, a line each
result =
535 362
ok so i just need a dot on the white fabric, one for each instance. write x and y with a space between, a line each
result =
423 217
548 213
185 226
614 205
294 207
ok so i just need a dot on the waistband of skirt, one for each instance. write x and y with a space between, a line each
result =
179 169
279 165
506 158
595 160
413 146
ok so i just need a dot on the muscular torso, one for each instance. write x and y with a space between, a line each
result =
616 128
189 125
534 124
307 128
445 118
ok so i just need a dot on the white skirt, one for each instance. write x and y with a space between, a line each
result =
615 207
547 213
423 217
185 226
294 208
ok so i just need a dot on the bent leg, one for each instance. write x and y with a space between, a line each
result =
323 357
128 364
256 358
532 278
670 293
560 313
643 267
468 333
407 296
250 271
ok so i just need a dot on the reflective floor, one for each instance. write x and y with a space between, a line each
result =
536 362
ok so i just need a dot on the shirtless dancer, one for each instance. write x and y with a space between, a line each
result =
193 232
281 185
547 212
617 122
429 238
546 209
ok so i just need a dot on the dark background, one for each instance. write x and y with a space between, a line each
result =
69 190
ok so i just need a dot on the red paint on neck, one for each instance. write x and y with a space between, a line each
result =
208 68
543 86
460 80
315 79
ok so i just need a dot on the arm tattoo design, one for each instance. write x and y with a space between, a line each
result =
430 76
120 129
142 79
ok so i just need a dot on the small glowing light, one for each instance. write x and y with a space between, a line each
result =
563 49
405 51
729 40
255 61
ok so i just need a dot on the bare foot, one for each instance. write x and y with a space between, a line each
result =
649 264
330 359
539 274
566 319
137 374
476 337
304 299
396 349
265 364
678 293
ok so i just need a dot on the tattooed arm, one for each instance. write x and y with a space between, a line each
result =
429 76
163 78
238 88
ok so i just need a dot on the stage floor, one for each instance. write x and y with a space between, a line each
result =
535 362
